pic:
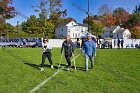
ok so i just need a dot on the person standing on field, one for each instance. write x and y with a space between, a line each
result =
122 41
68 48
46 53
119 43
89 51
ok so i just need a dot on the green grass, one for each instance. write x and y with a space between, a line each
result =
115 71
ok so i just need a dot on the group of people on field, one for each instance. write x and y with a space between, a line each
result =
88 50
118 43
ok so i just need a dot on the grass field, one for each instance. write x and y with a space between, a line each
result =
115 71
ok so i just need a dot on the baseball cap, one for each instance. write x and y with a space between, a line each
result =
45 39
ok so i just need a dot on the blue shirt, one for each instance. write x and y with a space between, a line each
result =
89 48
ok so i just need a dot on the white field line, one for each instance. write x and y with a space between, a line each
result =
44 82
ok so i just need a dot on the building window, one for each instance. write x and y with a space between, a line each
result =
77 29
78 34
73 34
68 30
62 29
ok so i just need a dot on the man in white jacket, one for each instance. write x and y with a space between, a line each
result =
46 53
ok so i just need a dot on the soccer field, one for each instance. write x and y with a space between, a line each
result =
115 71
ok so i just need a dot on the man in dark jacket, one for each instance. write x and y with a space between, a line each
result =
68 48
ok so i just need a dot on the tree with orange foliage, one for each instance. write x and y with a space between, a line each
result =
6 12
108 20
121 15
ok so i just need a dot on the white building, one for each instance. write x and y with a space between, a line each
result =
70 28
116 32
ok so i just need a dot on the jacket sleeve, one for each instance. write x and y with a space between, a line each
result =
94 48
42 43
83 48
49 46
72 47
62 47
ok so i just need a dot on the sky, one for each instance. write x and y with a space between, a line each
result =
75 8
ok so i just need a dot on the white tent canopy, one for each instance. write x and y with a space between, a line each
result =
86 34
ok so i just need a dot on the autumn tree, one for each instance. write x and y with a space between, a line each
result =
121 16
6 12
108 20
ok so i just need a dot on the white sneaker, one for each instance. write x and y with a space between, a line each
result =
42 69
68 68
52 66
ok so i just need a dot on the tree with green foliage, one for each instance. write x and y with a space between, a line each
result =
55 17
133 20
51 9
90 22
119 10
135 32
31 25
96 26
49 28
97 29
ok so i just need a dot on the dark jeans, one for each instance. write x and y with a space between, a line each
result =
121 45
118 45
68 59
44 55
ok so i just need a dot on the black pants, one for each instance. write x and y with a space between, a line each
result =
68 59
121 45
44 55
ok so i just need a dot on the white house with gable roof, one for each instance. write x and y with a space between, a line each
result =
116 32
70 28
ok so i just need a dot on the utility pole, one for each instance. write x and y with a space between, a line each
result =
17 28
88 18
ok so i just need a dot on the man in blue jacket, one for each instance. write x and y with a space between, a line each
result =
89 51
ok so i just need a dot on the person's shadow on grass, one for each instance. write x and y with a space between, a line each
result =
33 65
78 68
38 66
49 66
